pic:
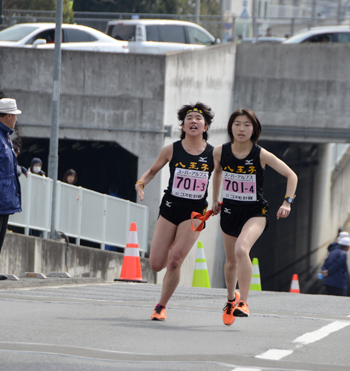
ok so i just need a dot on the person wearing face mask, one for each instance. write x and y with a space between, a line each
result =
36 166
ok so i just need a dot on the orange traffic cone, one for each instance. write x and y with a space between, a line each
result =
131 268
294 287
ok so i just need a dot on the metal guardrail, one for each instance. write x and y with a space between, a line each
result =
81 213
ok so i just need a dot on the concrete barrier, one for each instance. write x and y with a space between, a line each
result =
22 254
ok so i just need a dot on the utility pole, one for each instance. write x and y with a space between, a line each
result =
339 11
314 8
196 11
1 16
255 16
53 155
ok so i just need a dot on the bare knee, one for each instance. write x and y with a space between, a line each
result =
175 262
231 265
241 252
156 265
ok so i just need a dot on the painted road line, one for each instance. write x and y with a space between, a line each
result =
308 338
246 369
274 354
321 333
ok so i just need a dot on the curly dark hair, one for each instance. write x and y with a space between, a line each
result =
252 117
207 114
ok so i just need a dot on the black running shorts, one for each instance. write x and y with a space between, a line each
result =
177 211
233 217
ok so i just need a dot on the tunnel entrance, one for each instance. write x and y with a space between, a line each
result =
285 247
100 166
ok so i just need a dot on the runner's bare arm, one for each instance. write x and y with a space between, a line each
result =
217 179
267 158
164 157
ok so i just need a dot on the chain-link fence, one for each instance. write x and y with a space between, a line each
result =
225 27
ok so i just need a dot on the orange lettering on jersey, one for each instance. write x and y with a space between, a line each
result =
180 164
193 166
240 170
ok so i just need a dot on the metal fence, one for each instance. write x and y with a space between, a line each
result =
214 24
285 20
81 213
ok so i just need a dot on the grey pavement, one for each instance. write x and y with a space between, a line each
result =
88 324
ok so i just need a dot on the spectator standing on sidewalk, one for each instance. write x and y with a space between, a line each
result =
335 244
335 269
10 189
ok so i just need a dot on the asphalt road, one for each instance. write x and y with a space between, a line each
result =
77 324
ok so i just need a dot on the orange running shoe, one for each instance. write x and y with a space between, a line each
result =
159 313
227 316
241 309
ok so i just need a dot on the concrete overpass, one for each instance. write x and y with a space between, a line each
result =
130 101
299 92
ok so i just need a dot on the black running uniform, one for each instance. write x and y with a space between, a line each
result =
188 184
241 189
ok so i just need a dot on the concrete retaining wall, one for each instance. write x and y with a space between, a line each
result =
340 193
104 97
299 86
22 254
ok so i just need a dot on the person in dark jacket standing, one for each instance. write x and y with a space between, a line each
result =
10 189
335 244
335 270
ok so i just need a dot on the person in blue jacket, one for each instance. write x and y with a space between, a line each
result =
335 244
335 269
10 189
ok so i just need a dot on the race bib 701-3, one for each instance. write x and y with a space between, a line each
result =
190 184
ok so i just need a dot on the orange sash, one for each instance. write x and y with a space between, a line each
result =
201 217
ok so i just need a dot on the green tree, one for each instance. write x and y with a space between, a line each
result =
30 4
146 6
210 7
68 15
130 6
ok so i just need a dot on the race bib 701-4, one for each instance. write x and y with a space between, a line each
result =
239 187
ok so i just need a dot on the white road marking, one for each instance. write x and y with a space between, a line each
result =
274 354
311 337
308 338
246 369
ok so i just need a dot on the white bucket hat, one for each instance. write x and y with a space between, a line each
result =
345 241
342 235
9 105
